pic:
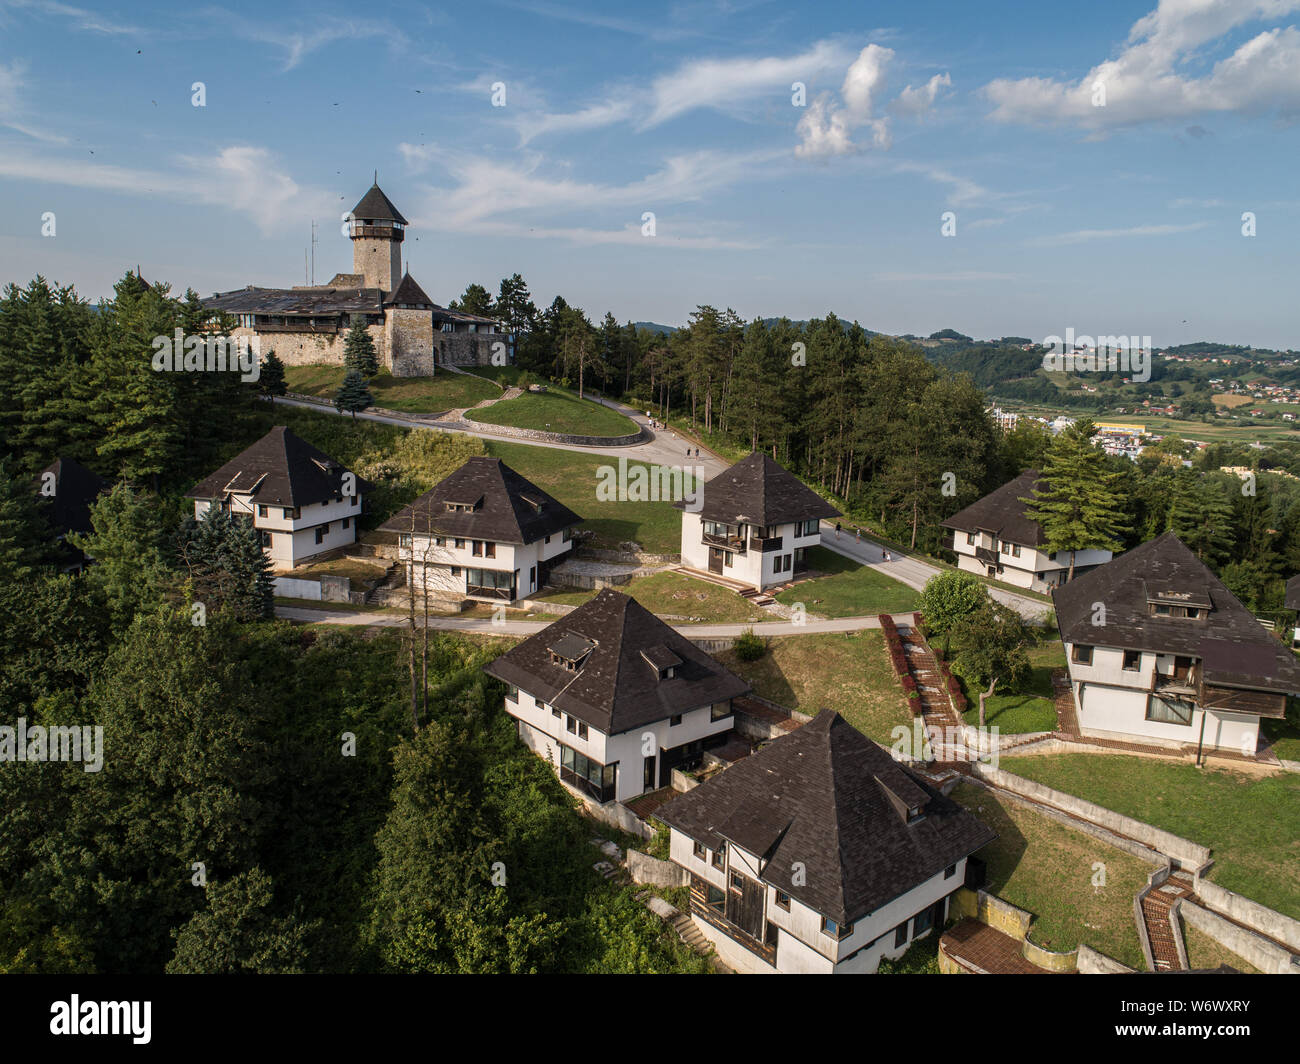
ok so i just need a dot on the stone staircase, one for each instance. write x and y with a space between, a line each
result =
1159 924
395 578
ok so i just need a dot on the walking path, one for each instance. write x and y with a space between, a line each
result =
1159 924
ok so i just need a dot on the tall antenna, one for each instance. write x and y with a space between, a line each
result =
304 267
313 251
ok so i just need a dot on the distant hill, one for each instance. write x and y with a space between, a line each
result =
655 327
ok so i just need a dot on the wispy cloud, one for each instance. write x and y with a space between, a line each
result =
1083 236
296 44
81 19
958 276
12 79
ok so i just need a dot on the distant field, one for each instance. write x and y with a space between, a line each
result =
411 395
1232 400
555 411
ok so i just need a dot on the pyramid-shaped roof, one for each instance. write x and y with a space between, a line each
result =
1003 513
1234 648
280 469
864 828
409 293
618 684
375 205
758 491
505 507
75 490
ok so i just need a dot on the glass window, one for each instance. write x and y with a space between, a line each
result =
1169 711
783 900
900 935
950 871
1132 660
512 692
719 710
922 922
830 927
699 850
262 511
715 898
1081 655
717 858
490 550
675 720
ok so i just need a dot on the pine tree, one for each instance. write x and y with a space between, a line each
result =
1201 517
353 395
1077 504
359 351
271 379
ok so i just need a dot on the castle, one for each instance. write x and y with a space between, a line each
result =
412 334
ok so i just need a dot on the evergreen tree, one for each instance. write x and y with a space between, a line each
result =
353 396
477 300
1077 504
270 381
126 541
359 350
1201 517
228 570
23 546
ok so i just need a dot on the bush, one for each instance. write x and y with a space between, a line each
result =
748 646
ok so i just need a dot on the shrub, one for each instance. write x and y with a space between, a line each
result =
748 646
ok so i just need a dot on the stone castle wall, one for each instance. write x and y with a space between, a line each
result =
304 348
470 349
410 342
379 260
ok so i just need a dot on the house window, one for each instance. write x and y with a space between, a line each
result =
404 540
737 881
478 548
728 559
1012 549
1168 711
1081 655
262 511
571 725
970 539
950 871
266 539
589 776
714 898
460 544
548 539
455 570
439 541
783 900
1132 660
347 522
512 692
699 850
811 528
490 550
717 858
900 935
356 499
922 922
320 533
554 712
291 513
830 927
674 720
719 710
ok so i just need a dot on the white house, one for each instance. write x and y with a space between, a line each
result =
819 853
483 533
754 523
993 537
302 501
614 699
1160 652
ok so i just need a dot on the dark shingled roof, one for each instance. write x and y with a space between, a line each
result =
300 301
75 489
409 292
827 796
504 511
280 469
1234 648
1002 513
375 205
616 689
757 491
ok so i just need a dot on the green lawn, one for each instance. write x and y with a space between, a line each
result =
411 395
1252 825
848 672
1031 709
848 589
555 411
573 479
676 595
1046 868
1285 737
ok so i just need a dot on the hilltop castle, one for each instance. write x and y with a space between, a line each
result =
412 334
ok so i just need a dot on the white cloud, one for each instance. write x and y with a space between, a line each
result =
1149 79
297 44
727 83
12 79
827 127
597 116
1082 236
91 21
241 178
916 102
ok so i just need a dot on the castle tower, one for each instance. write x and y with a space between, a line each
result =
378 229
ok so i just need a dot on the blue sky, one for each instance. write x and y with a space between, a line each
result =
1115 219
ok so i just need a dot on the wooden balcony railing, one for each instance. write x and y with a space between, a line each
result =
736 543
766 544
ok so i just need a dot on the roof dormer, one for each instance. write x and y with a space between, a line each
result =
662 660
1188 599
570 651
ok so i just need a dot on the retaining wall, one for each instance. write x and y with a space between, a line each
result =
1266 956
646 869
1258 917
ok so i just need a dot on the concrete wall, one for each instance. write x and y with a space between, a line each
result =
1093 963
1264 955
646 869
1251 913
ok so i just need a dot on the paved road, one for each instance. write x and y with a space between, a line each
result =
663 447
913 572
486 626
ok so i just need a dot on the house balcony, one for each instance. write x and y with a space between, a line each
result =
732 543
1182 683
987 556
714 917
766 544
495 594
